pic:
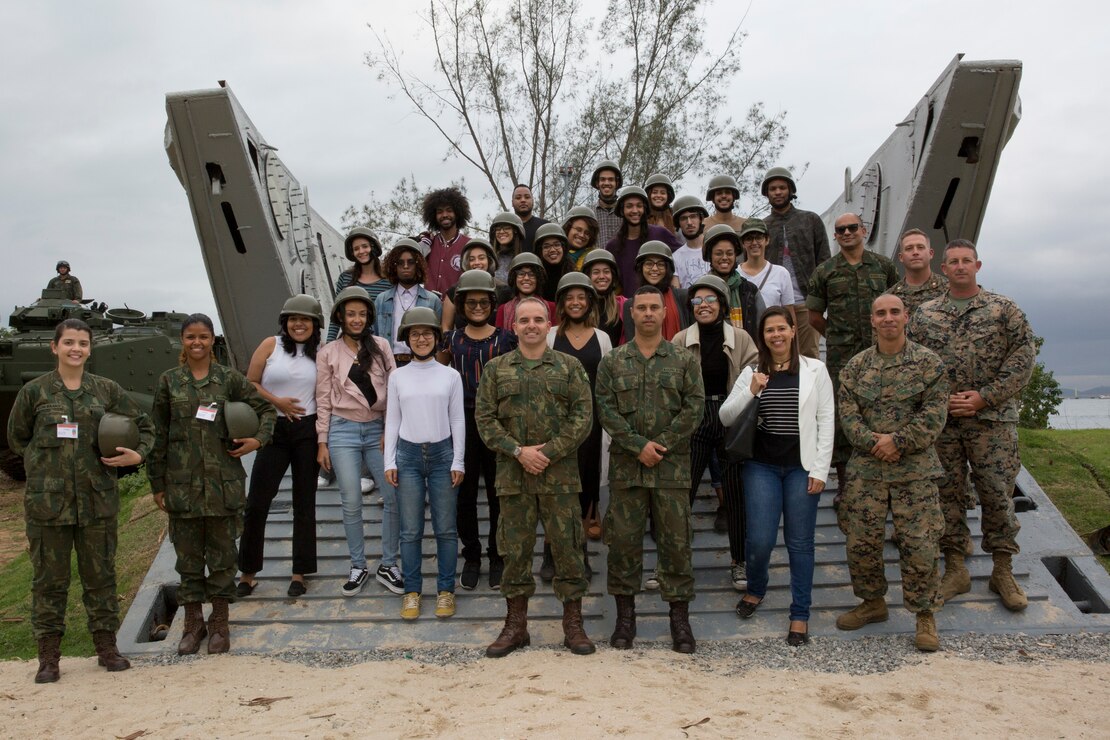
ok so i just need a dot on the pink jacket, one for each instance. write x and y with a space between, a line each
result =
336 394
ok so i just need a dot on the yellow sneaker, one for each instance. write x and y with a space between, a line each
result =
410 606
445 604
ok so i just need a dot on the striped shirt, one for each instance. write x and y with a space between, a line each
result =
777 436
469 356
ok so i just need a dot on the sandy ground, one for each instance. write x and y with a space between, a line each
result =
545 693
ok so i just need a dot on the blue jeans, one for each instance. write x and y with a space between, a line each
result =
424 472
352 444
774 492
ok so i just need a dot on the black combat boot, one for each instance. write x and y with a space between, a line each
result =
624 632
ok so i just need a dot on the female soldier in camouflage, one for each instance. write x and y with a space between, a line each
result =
71 501
197 478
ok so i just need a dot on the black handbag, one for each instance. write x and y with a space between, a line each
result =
740 437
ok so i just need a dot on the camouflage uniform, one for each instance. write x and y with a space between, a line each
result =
803 234
845 292
71 501
907 396
661 399
986 346
522 402
913 296
69 284
203 484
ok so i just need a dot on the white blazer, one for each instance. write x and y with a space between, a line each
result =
816 413
602 339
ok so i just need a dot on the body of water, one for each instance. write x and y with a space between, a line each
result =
1082 413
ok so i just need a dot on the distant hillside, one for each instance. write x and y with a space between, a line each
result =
1102 390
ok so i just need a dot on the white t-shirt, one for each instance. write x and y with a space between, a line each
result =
425 404
778 290
688 265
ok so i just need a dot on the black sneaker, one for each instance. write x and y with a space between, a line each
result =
390 577
469 578
496 568
355 581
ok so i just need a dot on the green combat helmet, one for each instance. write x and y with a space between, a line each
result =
241 420
477 281
778 173
353 293
715 284
551 231
526 259
630 192
685 203
506 218
348 243
419 316
660 179
606 164
574 280
599 255
723 182
580 212
412 245
480 243
302 305
654 248
116 430
717 233
753 226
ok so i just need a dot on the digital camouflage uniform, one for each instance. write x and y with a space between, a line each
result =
204 485
845 292
521 402
987 346
67 283
914 295
71 501
641 399
905 395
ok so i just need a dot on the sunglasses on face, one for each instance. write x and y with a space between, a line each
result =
848 228
476 304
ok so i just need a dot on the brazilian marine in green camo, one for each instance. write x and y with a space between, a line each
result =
844 287
893 402
920 283
988 349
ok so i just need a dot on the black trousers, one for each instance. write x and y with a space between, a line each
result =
478 460
294 444
589 469
709 436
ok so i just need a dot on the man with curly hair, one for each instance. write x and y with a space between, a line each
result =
446 214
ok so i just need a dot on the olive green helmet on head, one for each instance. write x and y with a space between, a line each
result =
606 164
580 212
778 173
631 191
723 182
475 281
116 430
480 243
715 284
599 255
685 203
61 263
574 280
353 293
525 259
654 248
412 245
348 243
240 419
660 179
302 305
753 226
715 234
506 218
418 316
550 231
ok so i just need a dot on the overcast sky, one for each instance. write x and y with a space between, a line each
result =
85 177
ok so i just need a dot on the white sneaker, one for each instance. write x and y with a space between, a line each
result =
367 485
651 583
322 481
739 577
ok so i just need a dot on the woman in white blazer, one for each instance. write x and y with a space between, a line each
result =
790 463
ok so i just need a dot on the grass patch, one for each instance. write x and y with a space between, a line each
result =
141 528
1073 468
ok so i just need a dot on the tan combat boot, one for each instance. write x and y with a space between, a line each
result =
193 631
219 640
574 635
926 639
956 579
869 612
1003 583
50 652
515 632
107 654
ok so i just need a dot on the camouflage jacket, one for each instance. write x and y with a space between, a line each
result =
640 399
914 296
66 482
190 460
905 395
68 283
846 291
802 231
549 404
987 347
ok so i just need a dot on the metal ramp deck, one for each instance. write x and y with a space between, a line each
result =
1057 570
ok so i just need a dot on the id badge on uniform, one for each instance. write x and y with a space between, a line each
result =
67 429
206 413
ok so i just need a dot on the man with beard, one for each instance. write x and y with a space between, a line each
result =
797 241
606 180
745 303
920 283
634 232
522 207
723 192
446 212
405 268
689 216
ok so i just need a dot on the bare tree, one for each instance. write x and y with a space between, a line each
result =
401 214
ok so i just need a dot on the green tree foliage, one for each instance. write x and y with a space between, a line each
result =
1041 397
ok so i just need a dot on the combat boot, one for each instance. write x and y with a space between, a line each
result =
574 636
926 639
869 612
50 652
956 579
107 654
624 632
219 640
682 637
193 631
1003 583
515 632
547 566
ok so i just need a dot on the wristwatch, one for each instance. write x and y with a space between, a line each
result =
517 451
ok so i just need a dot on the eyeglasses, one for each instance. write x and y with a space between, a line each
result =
476 304
415 334
655 264
709 300
526 274
848 228
406 263
551 247
502 229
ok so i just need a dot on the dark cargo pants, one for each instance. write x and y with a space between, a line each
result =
205 542
625 521
516 541
50 548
